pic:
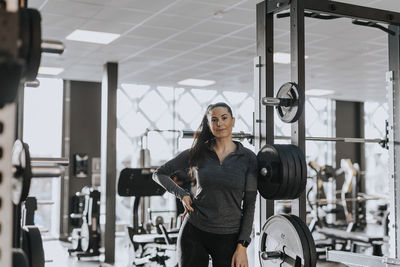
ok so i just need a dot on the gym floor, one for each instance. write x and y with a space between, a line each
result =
57 256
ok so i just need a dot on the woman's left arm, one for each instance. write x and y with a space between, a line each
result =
249 201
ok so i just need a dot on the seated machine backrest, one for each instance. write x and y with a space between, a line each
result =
138 182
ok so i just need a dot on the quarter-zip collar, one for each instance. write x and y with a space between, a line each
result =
239 147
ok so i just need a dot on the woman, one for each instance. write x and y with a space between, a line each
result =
219 220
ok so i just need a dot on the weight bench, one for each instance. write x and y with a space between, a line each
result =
138 183
354 239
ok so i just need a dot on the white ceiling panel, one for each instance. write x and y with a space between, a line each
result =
214 50
71 8
121 15
172 21
158 33
100 26
150 6
194 9
238 16
134 41
62 21
198 38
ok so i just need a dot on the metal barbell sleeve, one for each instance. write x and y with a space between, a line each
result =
50 161
47 171
53 47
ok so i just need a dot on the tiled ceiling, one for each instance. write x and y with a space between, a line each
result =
165 41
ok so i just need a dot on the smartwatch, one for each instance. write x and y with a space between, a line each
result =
244 243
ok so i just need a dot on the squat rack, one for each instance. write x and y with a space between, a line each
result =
264 87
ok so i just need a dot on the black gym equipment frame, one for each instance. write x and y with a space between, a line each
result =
264 85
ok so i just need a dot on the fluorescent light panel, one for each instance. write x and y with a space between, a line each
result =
92 36
283 58
50 70
319 92
196 82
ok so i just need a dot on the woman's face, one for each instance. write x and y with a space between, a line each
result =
221 122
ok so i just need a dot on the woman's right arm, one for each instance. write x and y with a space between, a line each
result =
162 174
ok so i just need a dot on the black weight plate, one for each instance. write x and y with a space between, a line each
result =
306 246
303 180
292 172
268 157
35 52
19 258
310 241
24 34
285 172
33 246
22 174
279 232
290 114
296 181
27 174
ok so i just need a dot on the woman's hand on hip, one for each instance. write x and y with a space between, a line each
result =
239 258
187 204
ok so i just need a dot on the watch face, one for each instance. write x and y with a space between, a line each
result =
244 243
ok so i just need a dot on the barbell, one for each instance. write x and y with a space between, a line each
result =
250 137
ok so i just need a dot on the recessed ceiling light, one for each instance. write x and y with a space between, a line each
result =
283 58
319 92
196 82
50 70
92 36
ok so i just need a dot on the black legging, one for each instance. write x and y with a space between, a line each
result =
195 246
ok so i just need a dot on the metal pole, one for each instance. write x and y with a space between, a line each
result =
108 156
393 93
263 87
298 76
65 152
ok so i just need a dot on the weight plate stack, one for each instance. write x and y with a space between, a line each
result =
303 181
286 171
296 179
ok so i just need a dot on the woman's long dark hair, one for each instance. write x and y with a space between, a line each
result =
203 136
